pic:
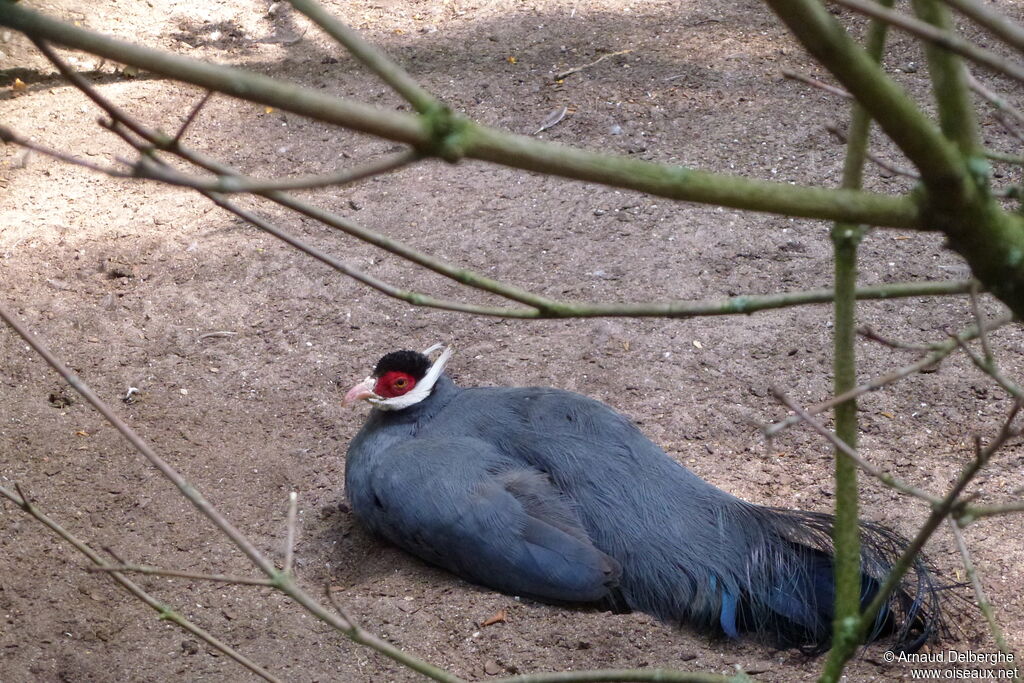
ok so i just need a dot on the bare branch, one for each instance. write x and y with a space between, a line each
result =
874 158
870 334
452 137
940 352
186 489
979 323
957 117
898 115
972 513
166 613
990 368
999 25
329 592
1005 158
943 39
178 574
979 592
411 297
290 524
815 83
624 675
1001 105
379 63
191 117
569 72
234 184
541 307
86 88
939 512
282 582
9 137
853 455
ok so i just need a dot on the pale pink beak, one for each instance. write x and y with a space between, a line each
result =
360 392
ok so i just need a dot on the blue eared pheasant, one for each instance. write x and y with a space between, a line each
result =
549 494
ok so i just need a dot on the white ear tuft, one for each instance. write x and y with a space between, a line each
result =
433 348
422 388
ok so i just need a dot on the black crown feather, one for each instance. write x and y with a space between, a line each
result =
413 363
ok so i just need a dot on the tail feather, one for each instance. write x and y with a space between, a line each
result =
790 589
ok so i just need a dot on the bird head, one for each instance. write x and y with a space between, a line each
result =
400 379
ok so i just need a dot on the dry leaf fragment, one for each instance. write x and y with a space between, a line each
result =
19 85
698 344
511 60
81 432
888 415
499 618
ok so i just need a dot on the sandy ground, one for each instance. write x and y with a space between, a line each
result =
126 281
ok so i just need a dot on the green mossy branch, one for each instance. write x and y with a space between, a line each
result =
478 142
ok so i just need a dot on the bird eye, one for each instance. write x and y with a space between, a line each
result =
401 383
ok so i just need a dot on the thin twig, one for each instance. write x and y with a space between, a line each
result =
932 358
979 322
972 513
178 574
1003 108
870 334
874 158
1005 158
338 608
576 69
1001 116
87 89
541 307
625 676
191 117
290 524
412 297
375 60
994 98
195 497
943 39
1001 26
946 71
166 613
234 184
979 592
990 368
9 137
815 83
282 582
853 455
451 135
215 334
121 118
939 512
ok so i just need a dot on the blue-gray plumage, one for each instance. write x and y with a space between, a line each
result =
549 494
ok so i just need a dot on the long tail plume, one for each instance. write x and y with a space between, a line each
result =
794 595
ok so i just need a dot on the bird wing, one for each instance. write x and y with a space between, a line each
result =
460 504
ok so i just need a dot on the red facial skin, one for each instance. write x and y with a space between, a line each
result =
394 383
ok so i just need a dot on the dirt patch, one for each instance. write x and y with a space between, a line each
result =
236 344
